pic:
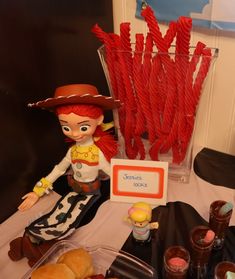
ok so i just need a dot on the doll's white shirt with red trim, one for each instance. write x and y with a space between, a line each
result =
85 159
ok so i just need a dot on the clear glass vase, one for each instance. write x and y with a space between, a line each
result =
160 93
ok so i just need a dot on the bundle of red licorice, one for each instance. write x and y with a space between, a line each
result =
160 90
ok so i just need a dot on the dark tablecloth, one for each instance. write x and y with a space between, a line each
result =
176 219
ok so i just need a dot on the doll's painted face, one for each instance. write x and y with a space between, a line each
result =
79 128
140 224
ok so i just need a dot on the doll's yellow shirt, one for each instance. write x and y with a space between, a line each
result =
85 154
85 160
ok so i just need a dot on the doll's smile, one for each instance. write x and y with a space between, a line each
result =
78 139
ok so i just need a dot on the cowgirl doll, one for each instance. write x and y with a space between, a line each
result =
79 108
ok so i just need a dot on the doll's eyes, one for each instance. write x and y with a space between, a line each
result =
66 128
84 128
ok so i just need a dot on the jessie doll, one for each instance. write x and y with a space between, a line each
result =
79 108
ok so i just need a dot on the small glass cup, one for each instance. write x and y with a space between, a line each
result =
223 267
200 251
174 272
219 223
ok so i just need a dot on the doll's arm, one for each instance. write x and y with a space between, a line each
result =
42 186
45 184
154 225
104 164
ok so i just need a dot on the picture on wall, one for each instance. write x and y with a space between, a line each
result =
215 14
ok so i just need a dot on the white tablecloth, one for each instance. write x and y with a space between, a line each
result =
108 227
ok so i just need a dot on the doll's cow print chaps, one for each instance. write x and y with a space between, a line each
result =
63 219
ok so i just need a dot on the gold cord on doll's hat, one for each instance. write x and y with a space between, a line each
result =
77 94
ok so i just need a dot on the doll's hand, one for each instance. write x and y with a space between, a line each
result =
154 225
29 200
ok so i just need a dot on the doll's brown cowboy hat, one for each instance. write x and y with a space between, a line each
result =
77 94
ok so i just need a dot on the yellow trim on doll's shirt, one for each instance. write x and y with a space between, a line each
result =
42 187
85 154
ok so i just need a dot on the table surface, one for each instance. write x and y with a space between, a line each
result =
197 193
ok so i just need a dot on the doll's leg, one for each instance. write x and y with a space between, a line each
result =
24 247
60 211
28 247
64 222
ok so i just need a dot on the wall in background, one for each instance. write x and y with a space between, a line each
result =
43 44
215 124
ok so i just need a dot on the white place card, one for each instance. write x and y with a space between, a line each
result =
137 180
